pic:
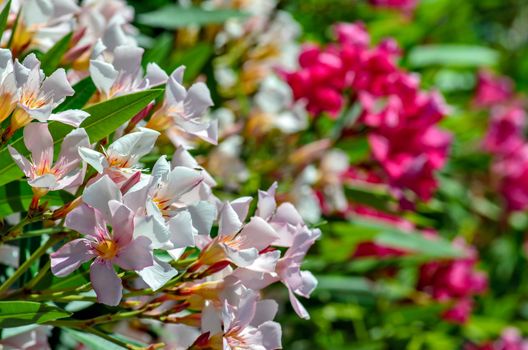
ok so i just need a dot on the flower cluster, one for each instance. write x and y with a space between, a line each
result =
156 238
505 138
401 119
454 281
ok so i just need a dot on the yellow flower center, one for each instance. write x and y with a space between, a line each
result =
107 249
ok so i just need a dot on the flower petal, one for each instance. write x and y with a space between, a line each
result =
181 230
21 161
100 193
122 222
39 142
71 143
103 75
57 86
157 275
258 234
73 117
70 256
229 221
94 158
105 282
136 255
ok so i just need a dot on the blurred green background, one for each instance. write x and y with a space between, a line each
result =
447 42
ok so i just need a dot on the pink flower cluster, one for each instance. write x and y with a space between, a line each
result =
510 339
451 281
454 281
505 138
401 119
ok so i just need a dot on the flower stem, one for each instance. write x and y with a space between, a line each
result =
15 231
35 280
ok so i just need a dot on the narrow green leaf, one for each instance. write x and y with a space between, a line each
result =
93 342
372 195
3 17
344 284
20 313
415 242
105 117
50 61
173 16
452 55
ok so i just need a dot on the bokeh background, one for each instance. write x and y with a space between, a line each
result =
372 302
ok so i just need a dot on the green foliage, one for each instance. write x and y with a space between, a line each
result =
20 313
173 17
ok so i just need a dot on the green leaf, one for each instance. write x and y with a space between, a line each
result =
344 284
84 90
20 313
364 230
93 342
452 55
415 242
105 117
373 195
194 59
50 61
173 17
3 17
16 196
159 51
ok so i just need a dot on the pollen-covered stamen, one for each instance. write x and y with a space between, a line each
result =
33 99
106 249
164 205
235 339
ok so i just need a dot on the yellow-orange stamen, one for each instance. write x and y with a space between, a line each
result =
107 249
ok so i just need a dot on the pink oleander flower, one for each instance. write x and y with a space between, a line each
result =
401 119
245 325
511 339
168 213
292 233
411 158
506 130
107 248
454 280
237 242
185 109
122 74
492 89
120 159
44 174
512 172
39 95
